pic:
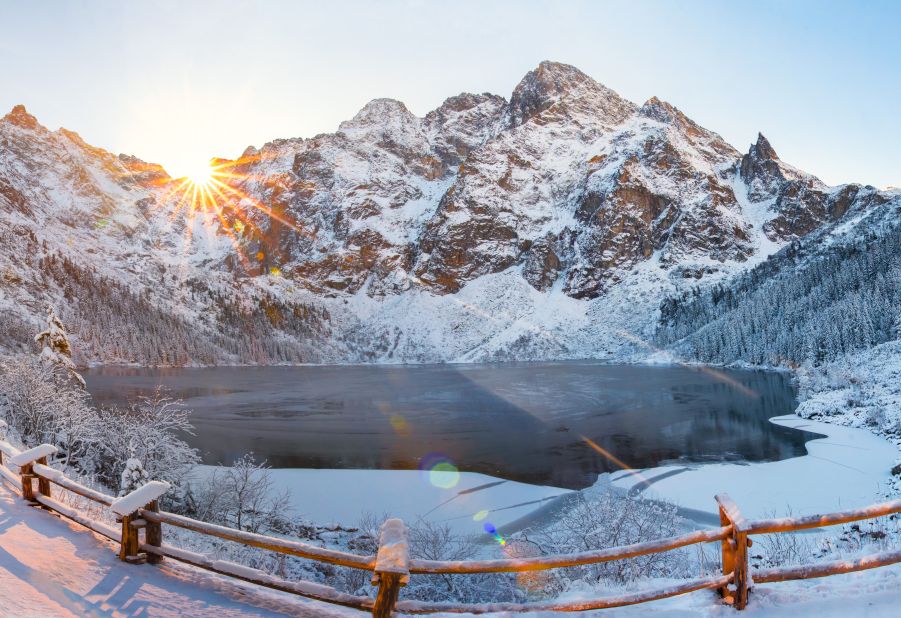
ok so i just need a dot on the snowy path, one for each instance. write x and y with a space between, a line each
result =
49 567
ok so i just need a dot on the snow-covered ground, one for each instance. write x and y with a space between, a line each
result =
859 390
49 567
342 496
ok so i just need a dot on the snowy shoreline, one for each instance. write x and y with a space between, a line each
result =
846 468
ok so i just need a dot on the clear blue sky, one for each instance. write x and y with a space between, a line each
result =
179 82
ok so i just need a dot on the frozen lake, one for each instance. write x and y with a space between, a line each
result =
556 424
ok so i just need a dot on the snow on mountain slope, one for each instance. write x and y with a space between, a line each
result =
547 226
98 236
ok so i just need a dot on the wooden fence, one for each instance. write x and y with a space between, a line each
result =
140 537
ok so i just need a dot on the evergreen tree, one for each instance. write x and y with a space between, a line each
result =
133 477
55 347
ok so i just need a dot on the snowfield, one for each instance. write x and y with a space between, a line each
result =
342 496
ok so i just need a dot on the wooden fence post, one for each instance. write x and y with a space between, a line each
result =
43 484
154 532
128 508
27 476
392 567
26 460
735 553
128 550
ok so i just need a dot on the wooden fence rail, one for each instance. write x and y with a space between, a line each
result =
138 513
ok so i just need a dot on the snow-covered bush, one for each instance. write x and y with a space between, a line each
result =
15 333
41 404
437 541
149 431
133 476
56 351
782 549
875 417
430 541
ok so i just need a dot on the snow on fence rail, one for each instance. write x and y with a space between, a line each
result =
392 565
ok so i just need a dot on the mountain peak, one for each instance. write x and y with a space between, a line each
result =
560 70
763 149
542 87
20 117
552 82
379 109
378 115
660 110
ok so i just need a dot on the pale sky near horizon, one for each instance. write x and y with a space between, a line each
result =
180 82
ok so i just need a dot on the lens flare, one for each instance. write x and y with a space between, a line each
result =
480 515
490 529
440 471
399 424
444 475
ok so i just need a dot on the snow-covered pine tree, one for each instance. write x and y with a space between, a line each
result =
55 347
133 476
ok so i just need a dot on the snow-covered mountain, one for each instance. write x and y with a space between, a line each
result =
547 226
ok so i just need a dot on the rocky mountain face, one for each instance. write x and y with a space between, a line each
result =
550 225
800 202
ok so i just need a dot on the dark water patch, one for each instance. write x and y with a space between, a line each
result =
520 421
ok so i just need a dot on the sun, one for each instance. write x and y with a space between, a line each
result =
211 192
200 174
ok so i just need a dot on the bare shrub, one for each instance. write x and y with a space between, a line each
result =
610 520
785 548
242 496
437 541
